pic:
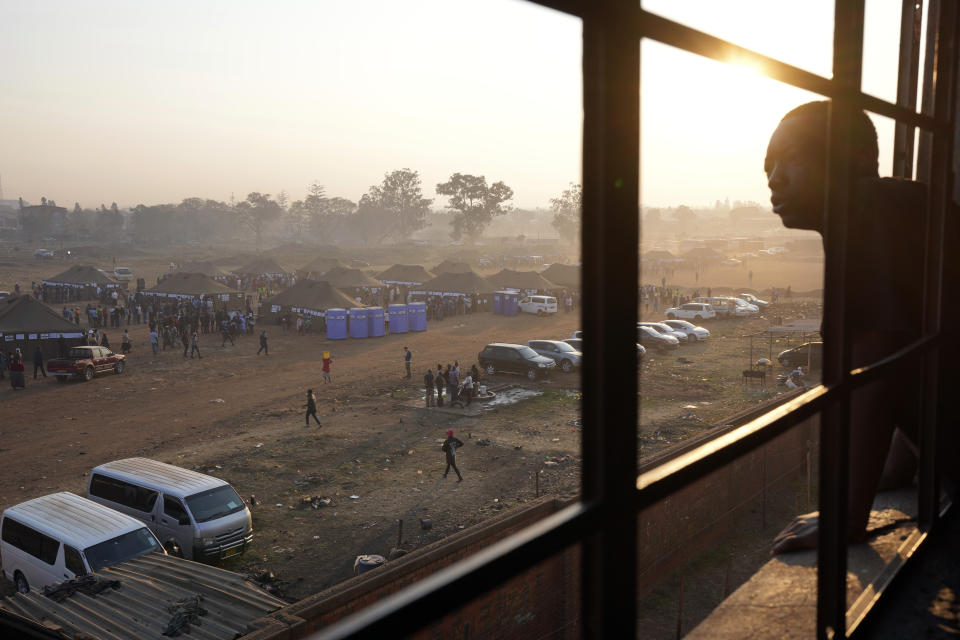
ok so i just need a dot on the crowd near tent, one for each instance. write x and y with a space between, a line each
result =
563 275
26 322
528 281
307 297
405 274
464 284
192 285
319 266
449 266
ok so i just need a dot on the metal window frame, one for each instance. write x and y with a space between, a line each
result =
604 522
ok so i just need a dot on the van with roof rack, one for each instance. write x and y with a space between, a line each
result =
63 536
194 515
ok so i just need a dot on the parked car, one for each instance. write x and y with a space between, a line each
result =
728 307
693 332
43 254
62 536
514 358
577 343
696 311
86 362
577 334
566 357
194 515
664 329
754 300
122 274
539 305
650 338
4 294
808 353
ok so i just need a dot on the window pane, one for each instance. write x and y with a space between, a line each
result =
800 34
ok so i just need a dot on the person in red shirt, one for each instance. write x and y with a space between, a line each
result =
326 367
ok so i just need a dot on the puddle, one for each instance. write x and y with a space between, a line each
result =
511 396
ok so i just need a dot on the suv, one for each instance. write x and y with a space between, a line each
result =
122 274
559 351
809 353
539 305
696 311
514 358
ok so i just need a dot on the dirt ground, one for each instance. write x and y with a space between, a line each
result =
377 457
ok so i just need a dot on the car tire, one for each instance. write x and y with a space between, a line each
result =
21 583
691 338
672 316
88 374
491 369
540 312
173 548
531 374
698 318
120 367
566 366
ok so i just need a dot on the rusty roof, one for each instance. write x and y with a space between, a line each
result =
140 607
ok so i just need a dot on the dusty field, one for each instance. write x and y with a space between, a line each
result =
239 416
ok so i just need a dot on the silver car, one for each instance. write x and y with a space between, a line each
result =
665 329
560 352
693 333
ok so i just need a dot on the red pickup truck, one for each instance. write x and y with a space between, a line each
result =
86 362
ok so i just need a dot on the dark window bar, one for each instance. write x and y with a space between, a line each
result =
607 530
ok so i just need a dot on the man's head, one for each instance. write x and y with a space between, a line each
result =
796 163
450 432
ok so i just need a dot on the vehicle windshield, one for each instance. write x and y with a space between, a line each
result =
122 548
214 503
563 346
741 303
79 353
527 353
680 324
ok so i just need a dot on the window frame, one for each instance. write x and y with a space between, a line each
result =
605 531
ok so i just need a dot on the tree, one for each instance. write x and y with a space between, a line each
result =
318 212
475 203
567 212
256 212
400 199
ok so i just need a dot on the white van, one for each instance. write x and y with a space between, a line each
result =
194 515
538 305
62 536
122 274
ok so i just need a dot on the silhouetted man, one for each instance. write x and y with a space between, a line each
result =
885 227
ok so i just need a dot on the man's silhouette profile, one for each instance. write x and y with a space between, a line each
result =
883 296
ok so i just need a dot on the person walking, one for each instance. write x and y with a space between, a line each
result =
225 335
428 387
407 358
311 408
185 340
449 447
326 366
194 345
38 362
263 343
154 340
468 388
125 343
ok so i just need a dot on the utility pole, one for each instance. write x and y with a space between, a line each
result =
1 186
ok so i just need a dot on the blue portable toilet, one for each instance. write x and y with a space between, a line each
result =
498 302
336 324
417 316
375 322
511 303
398 318
358 322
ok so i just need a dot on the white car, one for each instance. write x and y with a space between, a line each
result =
122 274
43 254
729 307
539 305
693 333
664 329
754 300
696 311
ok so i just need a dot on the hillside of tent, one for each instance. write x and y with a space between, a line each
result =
205 267
405 274
450 266
262 267
190 284
26 322
82 275
462 283
319 266
564 275
343 278
523 280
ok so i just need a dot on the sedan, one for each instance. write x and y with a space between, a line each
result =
651 338
577 343
696 311
693 333
560 352
754 300
664 329
810 353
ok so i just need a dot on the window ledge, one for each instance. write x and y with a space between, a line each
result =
779 602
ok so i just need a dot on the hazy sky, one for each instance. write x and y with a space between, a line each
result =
105 101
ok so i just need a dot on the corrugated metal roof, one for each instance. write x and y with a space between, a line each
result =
163 476
75 520
140 608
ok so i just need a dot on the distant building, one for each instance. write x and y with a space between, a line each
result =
42 220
